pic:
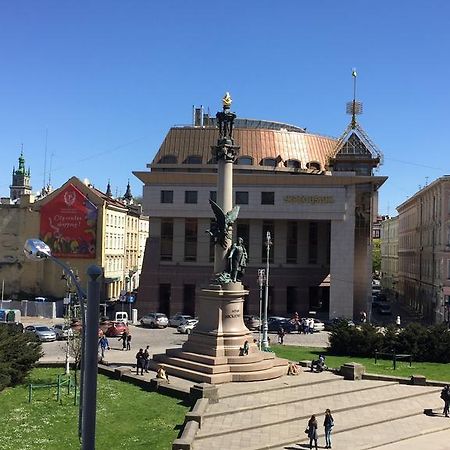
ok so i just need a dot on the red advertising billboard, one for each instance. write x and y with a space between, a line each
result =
69 224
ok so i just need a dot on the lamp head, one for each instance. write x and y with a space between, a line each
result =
36 249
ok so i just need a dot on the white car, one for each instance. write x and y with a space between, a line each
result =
187 326
179 319
318 325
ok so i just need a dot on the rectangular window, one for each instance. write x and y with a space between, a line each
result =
213 196
241 198
166 240
268 226
291 243
164 298
189 299
291 299
243 231
313 242
190 197
190 240
166 196
267 198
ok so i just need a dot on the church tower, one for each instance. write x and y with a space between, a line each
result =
20 180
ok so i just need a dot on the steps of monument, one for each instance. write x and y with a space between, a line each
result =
277 424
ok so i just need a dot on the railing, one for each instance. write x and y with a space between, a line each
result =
62 380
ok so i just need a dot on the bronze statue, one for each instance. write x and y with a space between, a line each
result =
222 225
237 260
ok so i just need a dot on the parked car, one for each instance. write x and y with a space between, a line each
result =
179 319
116 329
187 326
274 325
43 333
329 324
318 325
385 309
154 320
252 322
62 331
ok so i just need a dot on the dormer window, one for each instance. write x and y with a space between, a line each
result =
314 165
269 162
293 164
168 159
193 159
245 161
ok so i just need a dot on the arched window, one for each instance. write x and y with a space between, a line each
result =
269 162
313 165
293 164
245 161
193 159
168 159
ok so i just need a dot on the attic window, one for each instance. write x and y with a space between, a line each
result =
293 164
245 161
193 159
354 146
168 159
313 165
269 162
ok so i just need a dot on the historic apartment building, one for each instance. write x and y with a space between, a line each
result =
424 251
317 196
389 255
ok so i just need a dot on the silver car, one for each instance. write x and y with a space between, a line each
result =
45 334
62 331
154 320
178 319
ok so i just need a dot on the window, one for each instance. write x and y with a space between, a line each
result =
190 197
193 159
165 253
313 242
241 198
166 196
190 240
268 226
244 161
293 164
243 231
213 196
269 162
168 159
189 299
164 298
267 198
313 165
291 243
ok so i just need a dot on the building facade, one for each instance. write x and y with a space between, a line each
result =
424 251
389 255
314 194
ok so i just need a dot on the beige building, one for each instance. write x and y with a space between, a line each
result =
314 194
424 250
389 255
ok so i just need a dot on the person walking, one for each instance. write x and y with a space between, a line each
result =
140 361
123 338
312 431
445 395
398 321
129 341
103 344
146 358
281 335
328 423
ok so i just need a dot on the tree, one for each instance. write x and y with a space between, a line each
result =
376 256
18 354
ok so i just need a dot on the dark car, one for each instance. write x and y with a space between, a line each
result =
336 321
286 324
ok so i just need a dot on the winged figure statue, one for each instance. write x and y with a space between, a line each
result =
221 227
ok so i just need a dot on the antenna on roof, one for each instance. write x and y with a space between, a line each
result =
426 181
354 108
45 158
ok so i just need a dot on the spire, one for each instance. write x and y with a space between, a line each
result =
108 189
128 197
354 107
21 168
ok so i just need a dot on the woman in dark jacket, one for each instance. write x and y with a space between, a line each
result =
312 431
328 423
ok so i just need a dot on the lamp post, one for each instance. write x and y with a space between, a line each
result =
38 250
261 279
265 341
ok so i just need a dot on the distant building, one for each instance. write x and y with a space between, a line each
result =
389 255
424 250
314 194
21 179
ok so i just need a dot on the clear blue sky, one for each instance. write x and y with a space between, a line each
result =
108 78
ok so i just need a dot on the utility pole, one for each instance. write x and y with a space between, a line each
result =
265 341
261 279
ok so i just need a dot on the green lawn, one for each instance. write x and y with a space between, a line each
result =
432 371
128 418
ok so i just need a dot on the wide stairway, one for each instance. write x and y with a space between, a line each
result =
274 414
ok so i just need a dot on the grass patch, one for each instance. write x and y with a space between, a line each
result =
432 371
127 417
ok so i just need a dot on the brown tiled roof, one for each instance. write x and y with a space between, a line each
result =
257 143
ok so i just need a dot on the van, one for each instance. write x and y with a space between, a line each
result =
121 316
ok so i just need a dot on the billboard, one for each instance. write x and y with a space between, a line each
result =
69 224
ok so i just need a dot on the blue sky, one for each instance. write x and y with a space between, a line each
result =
107 79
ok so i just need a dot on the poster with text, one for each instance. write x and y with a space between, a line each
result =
69 223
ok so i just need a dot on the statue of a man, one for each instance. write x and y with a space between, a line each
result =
237 260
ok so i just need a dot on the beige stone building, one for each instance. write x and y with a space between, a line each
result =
315 195
389 255
424 250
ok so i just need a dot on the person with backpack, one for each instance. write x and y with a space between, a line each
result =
123 338
146 358
445 395
103 344
328 423
311 431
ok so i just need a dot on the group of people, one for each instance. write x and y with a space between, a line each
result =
126 340
445 396
142 360
302 325
311 429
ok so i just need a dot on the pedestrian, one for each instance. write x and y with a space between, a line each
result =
123 338
140 361
146 358
398 321
281 335
161 373
103 344
445 395
311 430
328 423
129 341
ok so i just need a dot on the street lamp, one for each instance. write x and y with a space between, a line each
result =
261 279
265 340
38 250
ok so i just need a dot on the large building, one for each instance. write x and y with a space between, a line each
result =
317 196
389 255
424 251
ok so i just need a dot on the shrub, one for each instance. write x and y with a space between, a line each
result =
18 354
354 341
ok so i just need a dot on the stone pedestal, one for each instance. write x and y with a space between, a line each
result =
352 371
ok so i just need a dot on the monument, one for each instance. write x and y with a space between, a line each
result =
221 349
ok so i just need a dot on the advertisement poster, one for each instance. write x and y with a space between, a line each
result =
69 223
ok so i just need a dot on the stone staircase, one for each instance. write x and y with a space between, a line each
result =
273 415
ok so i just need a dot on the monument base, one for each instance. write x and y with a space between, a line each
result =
214 352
